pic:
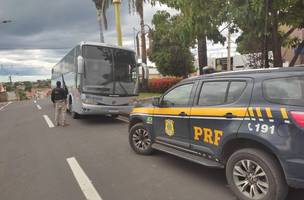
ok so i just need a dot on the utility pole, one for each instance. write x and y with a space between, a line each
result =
117 17
137 45
229 52
134 35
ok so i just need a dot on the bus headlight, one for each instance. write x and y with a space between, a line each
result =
89 101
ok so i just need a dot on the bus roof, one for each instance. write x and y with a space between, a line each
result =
104 45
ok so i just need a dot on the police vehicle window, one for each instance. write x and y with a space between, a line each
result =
179 96
236 89
288 91
213 93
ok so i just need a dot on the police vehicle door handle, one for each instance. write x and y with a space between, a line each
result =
229 115
182 114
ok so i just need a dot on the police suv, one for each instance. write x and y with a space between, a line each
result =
249 122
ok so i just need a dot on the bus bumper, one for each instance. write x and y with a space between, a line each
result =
88 109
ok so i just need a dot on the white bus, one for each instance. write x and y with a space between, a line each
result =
101 79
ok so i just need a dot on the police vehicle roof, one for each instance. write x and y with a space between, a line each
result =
249 73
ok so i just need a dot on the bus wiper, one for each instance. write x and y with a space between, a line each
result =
96 86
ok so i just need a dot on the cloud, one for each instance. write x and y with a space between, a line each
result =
61 24
23 71
43 31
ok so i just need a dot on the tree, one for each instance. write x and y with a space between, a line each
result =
28 86
250 17
101 6
9 87
169 50
22 95
138 6
201 22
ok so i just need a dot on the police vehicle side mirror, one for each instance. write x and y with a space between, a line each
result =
156 101
80 63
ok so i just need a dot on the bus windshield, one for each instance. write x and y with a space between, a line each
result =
109 71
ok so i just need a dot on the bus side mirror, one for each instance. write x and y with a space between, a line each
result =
80 63
144 70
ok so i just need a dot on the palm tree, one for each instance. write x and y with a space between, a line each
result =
138 6
101 6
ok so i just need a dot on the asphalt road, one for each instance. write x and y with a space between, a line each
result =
34 165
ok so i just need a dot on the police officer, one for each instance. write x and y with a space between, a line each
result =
59 98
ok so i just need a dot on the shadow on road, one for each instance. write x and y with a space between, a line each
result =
99 119
212 175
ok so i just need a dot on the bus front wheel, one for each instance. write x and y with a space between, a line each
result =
75 115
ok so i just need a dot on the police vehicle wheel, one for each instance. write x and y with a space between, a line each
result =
140 139
255 175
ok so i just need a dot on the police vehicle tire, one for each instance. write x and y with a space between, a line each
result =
137 134
277 187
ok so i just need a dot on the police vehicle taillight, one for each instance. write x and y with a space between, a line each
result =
298 117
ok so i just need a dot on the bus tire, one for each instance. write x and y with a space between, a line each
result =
69 107
75 115
114 116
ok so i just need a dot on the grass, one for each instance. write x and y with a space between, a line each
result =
144 95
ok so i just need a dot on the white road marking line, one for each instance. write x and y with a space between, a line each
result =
84 182
124 119
8 103
39 107
48 121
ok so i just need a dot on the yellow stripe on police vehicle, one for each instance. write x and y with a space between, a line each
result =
244 113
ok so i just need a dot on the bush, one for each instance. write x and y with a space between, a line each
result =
162 84
22 95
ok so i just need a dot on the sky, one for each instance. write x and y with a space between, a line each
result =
43 31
